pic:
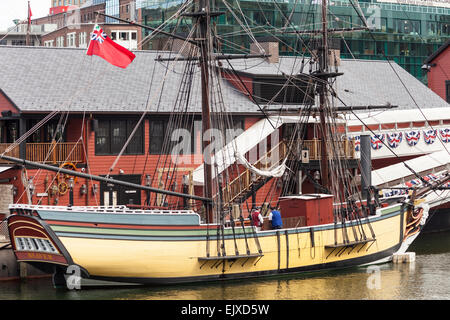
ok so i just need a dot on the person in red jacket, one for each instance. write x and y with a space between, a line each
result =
257 219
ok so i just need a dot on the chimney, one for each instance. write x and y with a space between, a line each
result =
175 45
270 46
182 47
334 50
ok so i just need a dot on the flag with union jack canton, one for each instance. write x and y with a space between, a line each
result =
101 45
98 35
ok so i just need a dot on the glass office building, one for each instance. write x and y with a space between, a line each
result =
405 33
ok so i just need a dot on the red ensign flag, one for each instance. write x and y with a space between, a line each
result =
101 45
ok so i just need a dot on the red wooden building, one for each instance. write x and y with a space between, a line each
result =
437 67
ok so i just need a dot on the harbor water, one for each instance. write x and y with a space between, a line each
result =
427 278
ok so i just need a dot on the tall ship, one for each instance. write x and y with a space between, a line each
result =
214 228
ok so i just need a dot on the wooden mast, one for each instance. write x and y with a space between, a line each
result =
323 69
204 20
27 39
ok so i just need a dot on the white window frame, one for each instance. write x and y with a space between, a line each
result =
60 41
71 40
82 40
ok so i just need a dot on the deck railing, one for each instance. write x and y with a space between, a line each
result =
51 152
344 149
55 152
12 153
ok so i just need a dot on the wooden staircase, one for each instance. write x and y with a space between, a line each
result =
241 188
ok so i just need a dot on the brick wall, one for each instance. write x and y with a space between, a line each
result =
87 28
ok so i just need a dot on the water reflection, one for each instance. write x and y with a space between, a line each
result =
427 278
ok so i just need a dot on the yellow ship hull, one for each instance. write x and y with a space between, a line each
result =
159 253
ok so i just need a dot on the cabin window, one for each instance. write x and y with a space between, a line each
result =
111 136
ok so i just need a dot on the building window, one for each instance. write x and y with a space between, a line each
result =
447 90
282 90
71 39
49 43
60 41
407 26
167 137
111 136
445 27
54 131
18 42
157 134
82 40
12 131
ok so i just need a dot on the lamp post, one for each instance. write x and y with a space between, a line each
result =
71 192
185 184
31 188
253 178
148 183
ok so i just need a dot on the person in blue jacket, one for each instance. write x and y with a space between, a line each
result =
275 217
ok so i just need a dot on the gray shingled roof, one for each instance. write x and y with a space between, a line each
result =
47 79
365 82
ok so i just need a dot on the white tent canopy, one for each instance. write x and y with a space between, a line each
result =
436 161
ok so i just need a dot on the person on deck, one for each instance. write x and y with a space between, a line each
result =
275 218
257 219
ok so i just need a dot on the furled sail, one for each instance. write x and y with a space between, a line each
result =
276 172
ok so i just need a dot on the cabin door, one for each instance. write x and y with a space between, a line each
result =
110 198
120 195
